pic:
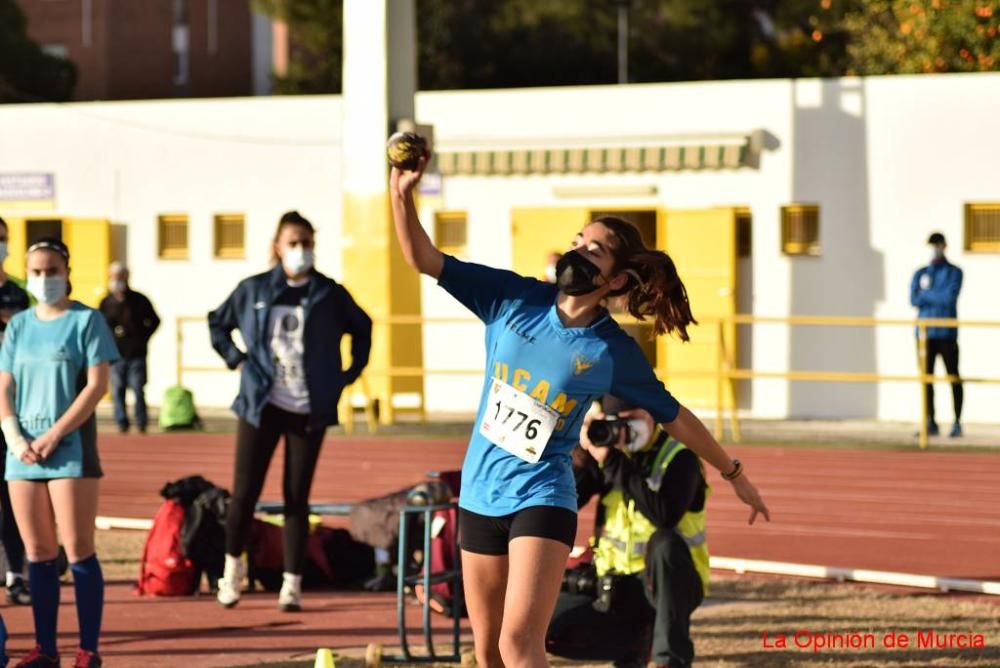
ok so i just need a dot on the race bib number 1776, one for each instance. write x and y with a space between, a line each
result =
516 422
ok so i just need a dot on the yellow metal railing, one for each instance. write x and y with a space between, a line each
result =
725 372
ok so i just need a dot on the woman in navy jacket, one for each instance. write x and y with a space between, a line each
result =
291 376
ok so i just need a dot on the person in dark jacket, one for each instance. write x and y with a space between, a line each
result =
133 321
13 300
934 291
650 569
291 320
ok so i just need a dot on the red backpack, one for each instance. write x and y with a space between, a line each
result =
164 570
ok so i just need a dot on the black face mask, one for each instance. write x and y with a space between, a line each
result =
576 275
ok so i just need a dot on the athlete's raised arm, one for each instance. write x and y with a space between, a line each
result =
418 249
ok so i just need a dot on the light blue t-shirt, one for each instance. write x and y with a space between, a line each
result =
565 368
49 361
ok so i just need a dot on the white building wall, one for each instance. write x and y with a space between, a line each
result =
130 162
887 159
933 146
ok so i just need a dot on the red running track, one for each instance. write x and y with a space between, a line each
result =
910 511
931 513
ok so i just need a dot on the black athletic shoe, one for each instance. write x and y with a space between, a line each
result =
18 594
36 659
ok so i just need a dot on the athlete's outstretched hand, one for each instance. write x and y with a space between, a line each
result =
403 181
749 495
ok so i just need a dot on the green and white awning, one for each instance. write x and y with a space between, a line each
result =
707 152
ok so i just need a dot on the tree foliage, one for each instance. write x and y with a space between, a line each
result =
315 29
28 74
519 43
915 36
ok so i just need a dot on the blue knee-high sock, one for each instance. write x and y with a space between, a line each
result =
88 581
3 644
43 578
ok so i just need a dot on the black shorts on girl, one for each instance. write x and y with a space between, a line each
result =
483 534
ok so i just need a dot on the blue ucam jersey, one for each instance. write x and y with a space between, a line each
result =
934 291
565 368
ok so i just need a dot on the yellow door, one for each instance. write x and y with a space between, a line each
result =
17 244
89 243
536 233
702 243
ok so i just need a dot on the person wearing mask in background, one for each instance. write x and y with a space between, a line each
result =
650 569
934 291
54 368
13 299
291 319
133 321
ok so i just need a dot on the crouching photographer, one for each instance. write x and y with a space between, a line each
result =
650 567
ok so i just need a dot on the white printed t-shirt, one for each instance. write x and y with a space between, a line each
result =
286 329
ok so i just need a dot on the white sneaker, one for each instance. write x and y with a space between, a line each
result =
231 582
290 597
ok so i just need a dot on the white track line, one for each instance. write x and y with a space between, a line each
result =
105 523
856 575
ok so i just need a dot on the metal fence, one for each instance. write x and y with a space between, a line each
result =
725 373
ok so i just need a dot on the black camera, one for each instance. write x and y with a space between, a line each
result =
580 580
605 433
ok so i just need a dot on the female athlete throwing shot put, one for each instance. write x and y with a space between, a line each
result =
551 350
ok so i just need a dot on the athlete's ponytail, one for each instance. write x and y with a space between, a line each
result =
653 290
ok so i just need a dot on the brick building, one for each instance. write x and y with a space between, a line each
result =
124 49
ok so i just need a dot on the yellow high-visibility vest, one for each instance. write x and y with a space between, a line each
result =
621 547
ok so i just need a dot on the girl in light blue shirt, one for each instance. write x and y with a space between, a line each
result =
54 368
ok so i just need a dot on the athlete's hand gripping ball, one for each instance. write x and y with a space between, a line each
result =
405 149
408 154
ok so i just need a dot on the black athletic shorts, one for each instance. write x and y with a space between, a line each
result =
483 534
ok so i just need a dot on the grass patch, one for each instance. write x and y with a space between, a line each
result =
120 552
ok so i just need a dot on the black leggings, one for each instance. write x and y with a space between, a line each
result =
254 449
13 546
948 350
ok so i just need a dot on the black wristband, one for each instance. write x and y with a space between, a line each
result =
736 472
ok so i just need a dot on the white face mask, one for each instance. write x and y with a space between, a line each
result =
640 434
3 251
47 289
116 286
937 253
298 260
